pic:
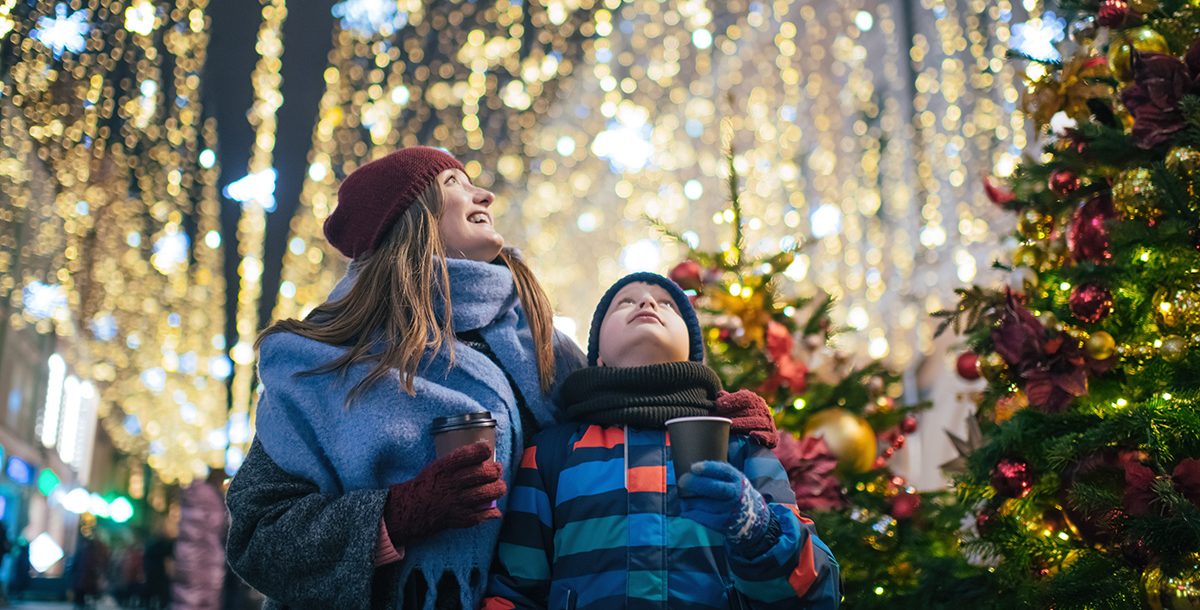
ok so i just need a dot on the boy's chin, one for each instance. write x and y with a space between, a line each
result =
633 356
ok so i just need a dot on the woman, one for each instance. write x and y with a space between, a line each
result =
340 502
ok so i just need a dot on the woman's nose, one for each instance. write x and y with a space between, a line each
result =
484 197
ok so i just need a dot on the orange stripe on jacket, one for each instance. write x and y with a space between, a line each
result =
647 479
497 603
529 460
599 436
796 511
805 574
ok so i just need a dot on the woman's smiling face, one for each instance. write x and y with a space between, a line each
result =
466 225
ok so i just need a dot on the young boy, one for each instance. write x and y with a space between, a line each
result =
595 519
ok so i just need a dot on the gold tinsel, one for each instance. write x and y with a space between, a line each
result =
1068 90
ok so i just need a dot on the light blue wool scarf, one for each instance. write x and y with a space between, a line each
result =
384 436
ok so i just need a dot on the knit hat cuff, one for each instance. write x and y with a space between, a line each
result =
373 196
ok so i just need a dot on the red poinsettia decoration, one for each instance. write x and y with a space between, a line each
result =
789 371
810 468
1051 367
997 194
1160 82
1139 485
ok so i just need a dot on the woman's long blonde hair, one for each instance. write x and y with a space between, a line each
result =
392 302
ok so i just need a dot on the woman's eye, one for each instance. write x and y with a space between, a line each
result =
451 179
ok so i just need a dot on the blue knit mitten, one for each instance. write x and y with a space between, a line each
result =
720 497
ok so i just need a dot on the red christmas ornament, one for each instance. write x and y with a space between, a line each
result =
1064 182
908 425
905 505
1012 478
997 195
985 520
968 365
1091 302
1112 13
688 275
1088 235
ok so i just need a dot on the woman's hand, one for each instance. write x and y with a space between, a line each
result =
455 491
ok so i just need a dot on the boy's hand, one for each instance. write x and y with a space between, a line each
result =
720 497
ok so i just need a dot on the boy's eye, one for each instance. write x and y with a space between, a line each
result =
624 301
667 303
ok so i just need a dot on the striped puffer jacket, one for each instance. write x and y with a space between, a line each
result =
594 523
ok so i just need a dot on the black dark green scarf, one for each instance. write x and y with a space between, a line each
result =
640 396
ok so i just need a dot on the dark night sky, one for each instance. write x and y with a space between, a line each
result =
228 95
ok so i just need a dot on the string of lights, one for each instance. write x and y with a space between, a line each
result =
111 236
470 78
864 126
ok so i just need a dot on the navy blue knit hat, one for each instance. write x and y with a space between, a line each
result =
686 311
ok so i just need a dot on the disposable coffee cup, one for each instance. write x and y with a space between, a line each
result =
450 433
697 439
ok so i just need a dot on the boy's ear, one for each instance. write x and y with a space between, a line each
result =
599 361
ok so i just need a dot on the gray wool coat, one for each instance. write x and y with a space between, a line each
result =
303 549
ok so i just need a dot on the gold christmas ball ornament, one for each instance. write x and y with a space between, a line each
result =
1144 7
1049 320
1183 161
850 438
992 366
1173 349
1177 309
1034 225
1028 256
1173 588
1057 250
1135 196
1120 50
1101 345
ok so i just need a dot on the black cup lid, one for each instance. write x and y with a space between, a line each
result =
470 420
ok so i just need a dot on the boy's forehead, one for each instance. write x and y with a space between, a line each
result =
635 288
640 287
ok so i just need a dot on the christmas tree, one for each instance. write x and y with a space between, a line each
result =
840 423
1086 485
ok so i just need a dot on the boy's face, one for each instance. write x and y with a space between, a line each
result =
642 326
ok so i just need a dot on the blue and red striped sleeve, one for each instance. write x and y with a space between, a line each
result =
799 570
520 576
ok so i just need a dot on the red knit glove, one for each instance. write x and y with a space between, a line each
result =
750 415
454 491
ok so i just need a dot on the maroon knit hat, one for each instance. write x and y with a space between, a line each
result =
373 196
